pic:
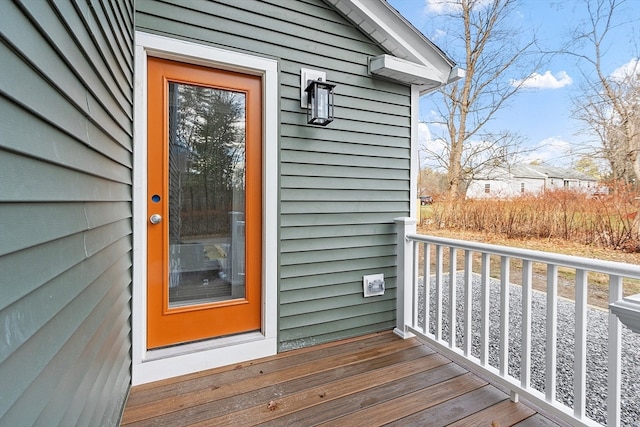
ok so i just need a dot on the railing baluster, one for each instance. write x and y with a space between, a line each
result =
525 356
452 296
427 286
614 354
438 331
416 284
552 332
468 297
504 314
484 310
580 357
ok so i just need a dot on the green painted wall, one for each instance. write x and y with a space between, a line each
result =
340 186
66 78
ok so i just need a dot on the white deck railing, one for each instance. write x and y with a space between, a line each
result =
493 328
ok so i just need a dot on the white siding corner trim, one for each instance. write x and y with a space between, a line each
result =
160 364
415 150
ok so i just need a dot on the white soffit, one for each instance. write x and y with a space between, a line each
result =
413 58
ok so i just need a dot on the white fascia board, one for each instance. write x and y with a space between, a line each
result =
405 71
456 74
411 73
392 31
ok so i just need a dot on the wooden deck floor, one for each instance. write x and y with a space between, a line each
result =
368 381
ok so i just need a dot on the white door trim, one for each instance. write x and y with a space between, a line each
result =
160 364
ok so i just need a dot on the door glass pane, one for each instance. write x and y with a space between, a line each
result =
206 194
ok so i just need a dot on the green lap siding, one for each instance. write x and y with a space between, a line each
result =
66 120
66 159
340 186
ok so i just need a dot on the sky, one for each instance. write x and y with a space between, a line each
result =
541 113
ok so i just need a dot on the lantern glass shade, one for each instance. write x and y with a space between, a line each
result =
319 102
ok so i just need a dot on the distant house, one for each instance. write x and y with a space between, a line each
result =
529 179
165 205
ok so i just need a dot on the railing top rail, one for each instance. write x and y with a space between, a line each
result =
589 264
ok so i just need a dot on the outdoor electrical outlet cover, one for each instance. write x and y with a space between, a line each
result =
373 285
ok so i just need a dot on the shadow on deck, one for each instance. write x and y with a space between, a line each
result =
368 381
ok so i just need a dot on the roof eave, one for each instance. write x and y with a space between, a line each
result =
412 59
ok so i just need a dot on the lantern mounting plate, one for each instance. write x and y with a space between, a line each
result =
306 75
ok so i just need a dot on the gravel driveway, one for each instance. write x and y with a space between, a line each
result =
596 346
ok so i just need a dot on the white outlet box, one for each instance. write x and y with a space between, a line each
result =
373 285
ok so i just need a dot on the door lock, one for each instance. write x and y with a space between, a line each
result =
155 219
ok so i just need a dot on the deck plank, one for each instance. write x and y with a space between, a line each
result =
454 409
536 420
242 401
395 409
310 398
365 399
374 380
237 381
152 392
505 413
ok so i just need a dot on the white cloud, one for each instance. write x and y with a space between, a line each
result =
449 6
553 150
428 142
544 81
424 134
438 35
440 6
430 132
627 70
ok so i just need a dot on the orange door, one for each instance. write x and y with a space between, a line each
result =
204 203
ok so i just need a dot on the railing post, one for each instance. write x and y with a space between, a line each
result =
404 276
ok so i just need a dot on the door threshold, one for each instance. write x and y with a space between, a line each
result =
195 357
199 346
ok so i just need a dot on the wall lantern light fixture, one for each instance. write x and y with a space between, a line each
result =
319 102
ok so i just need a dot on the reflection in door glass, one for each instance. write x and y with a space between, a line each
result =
206 194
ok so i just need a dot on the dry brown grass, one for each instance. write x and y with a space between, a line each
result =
609 221
503 223
598 284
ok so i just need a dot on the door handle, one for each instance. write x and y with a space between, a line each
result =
155 219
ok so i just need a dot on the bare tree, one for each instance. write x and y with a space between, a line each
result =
609 104
491 154
497 60
615 128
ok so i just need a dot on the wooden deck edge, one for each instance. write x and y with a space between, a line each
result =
473 368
